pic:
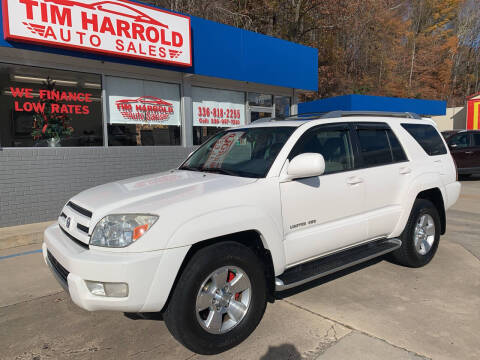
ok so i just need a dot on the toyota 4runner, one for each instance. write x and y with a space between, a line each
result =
255 210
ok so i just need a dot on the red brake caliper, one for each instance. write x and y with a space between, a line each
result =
231 276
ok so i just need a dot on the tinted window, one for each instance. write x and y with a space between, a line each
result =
476 139
374 146
333 143
427 137
459 141
397 151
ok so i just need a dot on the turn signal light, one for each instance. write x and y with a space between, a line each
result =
139 231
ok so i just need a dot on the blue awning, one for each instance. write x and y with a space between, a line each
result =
227 52
374 103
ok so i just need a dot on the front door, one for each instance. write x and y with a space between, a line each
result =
324 213
475 156
460 148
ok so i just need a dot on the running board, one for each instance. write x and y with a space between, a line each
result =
327 265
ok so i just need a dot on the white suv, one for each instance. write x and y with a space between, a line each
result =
255 210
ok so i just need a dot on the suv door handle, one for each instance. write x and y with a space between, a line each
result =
354 180
405 170
469 152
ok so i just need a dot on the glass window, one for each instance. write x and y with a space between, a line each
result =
142 113
334 144
48 107
282 106
246 152
459 141
256 99
214 110
476 139
398 153
428 138
374 146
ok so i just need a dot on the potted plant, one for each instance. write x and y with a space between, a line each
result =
48 125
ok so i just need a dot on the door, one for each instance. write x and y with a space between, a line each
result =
255 115
461 150
386 172
324 213
475 156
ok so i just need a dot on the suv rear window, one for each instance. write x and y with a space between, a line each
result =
427 137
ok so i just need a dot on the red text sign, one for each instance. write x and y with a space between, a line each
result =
113 27
24 104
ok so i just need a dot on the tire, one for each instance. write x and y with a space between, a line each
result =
410 254
197 284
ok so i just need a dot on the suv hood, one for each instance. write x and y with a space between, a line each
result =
150 193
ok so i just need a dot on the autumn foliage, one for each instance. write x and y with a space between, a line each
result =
410 48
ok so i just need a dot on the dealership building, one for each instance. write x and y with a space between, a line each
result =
94 91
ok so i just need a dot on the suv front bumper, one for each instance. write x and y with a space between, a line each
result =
150 275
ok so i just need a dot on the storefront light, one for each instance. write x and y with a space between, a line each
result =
37 80
91 85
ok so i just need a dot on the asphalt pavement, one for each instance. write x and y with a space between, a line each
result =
378 310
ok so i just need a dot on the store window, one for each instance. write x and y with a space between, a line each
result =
142 113
282 106
46 107
256 99
214 110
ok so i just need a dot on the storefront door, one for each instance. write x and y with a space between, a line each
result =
258 114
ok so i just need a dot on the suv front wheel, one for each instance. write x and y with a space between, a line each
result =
421 235
219 299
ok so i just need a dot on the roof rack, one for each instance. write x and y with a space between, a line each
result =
341 113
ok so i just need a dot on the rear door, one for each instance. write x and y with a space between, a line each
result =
386 172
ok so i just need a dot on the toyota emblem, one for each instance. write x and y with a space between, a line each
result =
67 223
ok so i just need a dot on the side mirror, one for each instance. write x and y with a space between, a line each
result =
305 165
453 146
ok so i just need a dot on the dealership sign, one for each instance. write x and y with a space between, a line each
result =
112 27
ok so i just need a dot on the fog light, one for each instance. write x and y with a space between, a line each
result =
107 289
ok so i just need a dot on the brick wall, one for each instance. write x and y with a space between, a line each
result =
36 183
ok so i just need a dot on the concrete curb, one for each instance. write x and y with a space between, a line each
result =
20 235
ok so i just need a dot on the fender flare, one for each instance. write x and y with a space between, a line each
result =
232 220
421 183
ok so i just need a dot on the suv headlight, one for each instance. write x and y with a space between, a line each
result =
119 231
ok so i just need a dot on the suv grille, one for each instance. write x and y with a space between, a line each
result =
75 240
79 209
58 268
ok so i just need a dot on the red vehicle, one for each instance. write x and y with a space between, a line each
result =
465 148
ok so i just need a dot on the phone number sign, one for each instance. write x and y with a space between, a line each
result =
218 108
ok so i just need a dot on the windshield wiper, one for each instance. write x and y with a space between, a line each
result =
189 168
220 171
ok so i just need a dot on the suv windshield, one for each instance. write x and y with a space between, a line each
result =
248 152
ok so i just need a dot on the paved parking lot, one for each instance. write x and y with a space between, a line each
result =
375 311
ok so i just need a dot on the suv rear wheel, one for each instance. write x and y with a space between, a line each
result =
219 299
421 235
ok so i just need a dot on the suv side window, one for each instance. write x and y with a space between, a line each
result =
333 142
459 141
378 145
476 139
427 137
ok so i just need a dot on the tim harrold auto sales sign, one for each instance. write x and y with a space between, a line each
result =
113 27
